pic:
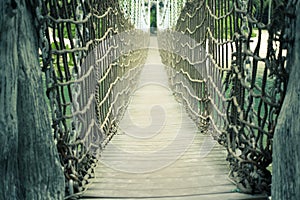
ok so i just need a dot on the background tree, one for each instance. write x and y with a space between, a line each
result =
29 165
286 142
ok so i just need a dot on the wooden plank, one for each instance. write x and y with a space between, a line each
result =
158 151
218 196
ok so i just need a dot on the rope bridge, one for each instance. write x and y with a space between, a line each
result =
225 59
226 62
91 56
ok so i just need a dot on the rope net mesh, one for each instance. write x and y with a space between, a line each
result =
226 62
91 55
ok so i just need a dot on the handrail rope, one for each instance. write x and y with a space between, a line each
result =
88 44
222 16
111 103
189 105
91 68
117 78
189 91
202 99
91 98
68 20
164 14
183 19
110 89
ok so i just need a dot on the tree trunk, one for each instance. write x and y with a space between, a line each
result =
29 163
286 142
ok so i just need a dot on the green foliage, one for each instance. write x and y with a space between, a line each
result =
72 32
153 20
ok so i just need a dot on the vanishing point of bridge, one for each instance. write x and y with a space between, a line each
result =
165 99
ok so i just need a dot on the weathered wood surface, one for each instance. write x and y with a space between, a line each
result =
29 162
286 141
158 151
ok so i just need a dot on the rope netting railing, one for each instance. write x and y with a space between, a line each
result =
226 61
138 11
168 12
91 56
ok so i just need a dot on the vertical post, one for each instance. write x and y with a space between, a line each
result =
30 167
149 13
158 19
286 155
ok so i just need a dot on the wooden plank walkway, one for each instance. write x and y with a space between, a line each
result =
158 152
